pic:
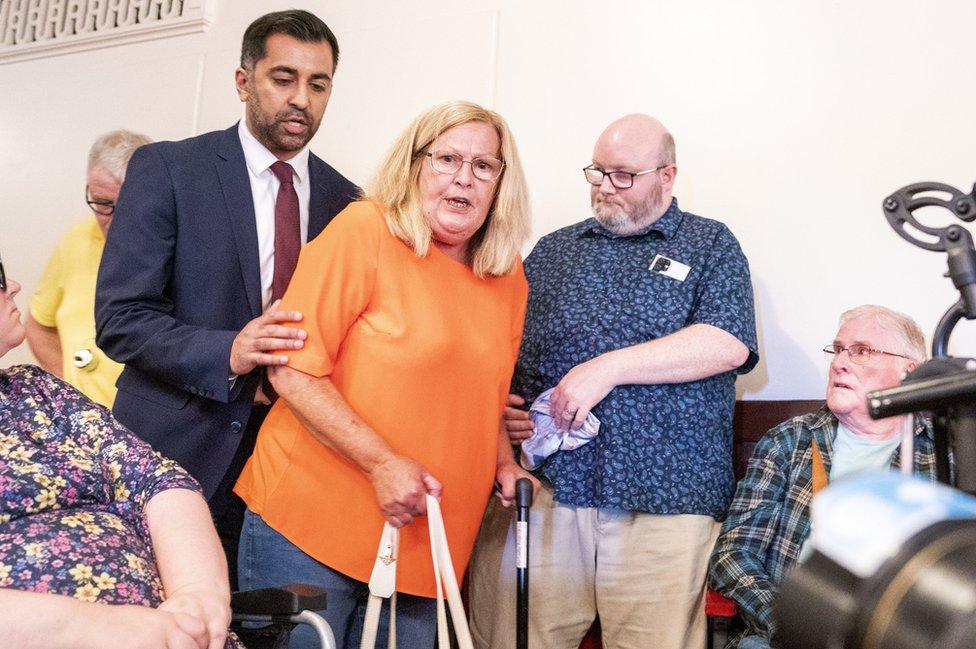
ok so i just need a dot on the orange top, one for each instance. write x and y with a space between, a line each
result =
423 350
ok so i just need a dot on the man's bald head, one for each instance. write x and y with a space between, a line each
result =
644 135
641 146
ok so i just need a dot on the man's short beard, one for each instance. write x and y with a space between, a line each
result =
612 217
268 133
616 220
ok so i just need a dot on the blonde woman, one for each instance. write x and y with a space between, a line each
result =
413 301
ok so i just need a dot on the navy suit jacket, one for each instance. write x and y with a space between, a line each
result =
179 278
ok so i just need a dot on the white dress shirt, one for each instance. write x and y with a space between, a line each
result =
264 190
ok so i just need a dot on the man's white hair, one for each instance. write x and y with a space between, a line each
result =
913 341
113 151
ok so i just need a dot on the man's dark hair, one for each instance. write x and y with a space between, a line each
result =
297 23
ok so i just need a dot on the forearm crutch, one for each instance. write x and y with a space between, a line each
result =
523 501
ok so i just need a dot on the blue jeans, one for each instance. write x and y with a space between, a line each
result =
267 559
754 642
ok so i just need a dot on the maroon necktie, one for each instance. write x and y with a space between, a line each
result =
288 239
288 231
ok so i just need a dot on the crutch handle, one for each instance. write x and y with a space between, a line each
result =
523 494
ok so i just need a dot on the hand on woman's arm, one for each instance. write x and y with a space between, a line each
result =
400 482
191 562
517 420
43 621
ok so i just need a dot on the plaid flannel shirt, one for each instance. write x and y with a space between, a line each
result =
770 515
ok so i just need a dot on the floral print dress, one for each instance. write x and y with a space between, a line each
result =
73 487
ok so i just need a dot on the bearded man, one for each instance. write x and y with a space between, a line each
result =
642 315
205 238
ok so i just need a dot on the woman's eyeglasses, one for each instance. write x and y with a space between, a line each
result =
483 168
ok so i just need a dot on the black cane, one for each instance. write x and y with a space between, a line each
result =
523 501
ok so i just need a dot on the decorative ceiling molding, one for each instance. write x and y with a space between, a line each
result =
32 29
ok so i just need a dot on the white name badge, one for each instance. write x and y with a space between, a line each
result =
670 267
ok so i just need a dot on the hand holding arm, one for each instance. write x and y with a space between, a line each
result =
143 297
518 422
254 344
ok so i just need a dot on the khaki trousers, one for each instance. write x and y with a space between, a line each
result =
643 574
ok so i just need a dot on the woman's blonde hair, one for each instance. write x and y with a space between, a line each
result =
493 250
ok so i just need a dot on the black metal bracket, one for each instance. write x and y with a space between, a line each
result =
954 240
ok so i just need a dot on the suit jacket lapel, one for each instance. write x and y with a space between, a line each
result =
236 188
323 201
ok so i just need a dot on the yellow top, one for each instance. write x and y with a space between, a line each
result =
423 350
65 299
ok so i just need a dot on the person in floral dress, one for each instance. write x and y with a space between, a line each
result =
91 516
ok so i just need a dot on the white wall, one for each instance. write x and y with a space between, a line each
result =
792 120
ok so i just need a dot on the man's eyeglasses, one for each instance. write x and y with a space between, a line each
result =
860 354
483 168
619 179
3 278
105 208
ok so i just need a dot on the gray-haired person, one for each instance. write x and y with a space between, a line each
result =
61 323
769 522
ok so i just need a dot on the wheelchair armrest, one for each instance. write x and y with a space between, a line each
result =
288 600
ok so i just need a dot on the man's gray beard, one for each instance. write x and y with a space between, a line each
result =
611 217
614 219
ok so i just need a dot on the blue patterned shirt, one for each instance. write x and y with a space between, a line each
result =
665 448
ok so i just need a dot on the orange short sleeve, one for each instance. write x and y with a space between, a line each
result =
332 286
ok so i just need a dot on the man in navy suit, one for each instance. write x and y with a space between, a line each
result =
205 237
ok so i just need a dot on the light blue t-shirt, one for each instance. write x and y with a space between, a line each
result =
853 454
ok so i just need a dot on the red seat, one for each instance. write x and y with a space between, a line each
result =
717 605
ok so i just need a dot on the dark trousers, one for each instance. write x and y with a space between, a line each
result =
226 507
